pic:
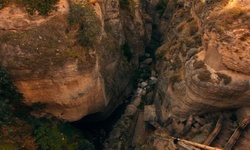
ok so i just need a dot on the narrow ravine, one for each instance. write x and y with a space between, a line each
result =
118 128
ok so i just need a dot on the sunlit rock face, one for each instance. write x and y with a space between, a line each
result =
203 61
48 65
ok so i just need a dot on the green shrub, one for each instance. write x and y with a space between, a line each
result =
161 5
14 115
190 43
124 4
43 7
3 3
204 76
89 24
127 4
39 106
75 137
9 97
48 137
226 79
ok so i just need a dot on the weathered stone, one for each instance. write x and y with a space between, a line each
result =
191 52
200 137
72 80
130 110
139 91
153 73
243 113
211 74
149 113
149 98
147 55
137 101
153 80
147 61
144 91
144 84
115 133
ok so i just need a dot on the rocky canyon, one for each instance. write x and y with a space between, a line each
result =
182 67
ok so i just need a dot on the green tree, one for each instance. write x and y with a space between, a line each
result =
48 137
9 97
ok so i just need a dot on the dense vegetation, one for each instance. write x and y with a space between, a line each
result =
18 129
42 7
161 5
127 5
85 19
9 98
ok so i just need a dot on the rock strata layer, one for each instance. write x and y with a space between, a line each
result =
48 65
203 60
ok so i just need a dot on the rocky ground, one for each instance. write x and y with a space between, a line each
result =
130 130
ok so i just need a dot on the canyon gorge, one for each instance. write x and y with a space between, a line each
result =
181 67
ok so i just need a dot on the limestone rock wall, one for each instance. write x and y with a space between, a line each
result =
203 60
49 66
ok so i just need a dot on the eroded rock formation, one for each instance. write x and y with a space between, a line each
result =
48 65
203 63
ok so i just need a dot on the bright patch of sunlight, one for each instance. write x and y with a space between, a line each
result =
231 3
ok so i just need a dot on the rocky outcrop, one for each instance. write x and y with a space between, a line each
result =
203 62
48 65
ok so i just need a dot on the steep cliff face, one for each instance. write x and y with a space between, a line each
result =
49 64
203 62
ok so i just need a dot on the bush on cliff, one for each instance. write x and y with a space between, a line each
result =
161 5
85 18
42 7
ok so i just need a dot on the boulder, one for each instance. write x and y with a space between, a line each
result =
144 84
147 61
130 110
137 101
149 113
